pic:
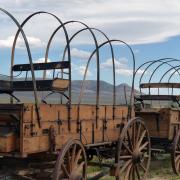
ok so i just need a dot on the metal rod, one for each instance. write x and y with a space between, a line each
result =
29 54
87 66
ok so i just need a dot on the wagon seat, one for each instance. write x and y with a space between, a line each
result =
53 85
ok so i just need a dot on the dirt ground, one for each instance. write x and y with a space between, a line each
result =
160 170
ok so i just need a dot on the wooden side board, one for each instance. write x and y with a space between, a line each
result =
87 122
161 123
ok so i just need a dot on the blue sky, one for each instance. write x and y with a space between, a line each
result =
152 28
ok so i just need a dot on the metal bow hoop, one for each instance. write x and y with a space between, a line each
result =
173 73
30 59
152 62
166 63
169 70
87 66
112 55
95 42
24 22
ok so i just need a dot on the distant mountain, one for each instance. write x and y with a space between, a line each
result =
106 92
89 95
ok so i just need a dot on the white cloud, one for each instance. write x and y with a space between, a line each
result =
80 70
76 53
41 60
134 21
33 42
121 67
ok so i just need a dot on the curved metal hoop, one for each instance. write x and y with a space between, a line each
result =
173 73
96 45
150 64
169 70
28 51
23 23
167 63
112 55
89 60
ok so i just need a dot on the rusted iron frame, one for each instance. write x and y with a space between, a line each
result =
87 66
32 68
29 54
151 63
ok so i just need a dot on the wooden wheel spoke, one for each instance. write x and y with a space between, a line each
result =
73 156
125 157
133 135
77 157
138 132
129 140
128 171
133 173
66 173
80 167
178 147
141 138
177 165
137 172
69 161
177 160
143 146
142 167
126 147
125 166
177 152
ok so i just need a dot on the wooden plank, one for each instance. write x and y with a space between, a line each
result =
42 85
87 117
160 85
42 66
160 97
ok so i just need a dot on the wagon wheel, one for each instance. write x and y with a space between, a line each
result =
71 163
175 154
133 151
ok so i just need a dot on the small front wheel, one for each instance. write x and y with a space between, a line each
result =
72 162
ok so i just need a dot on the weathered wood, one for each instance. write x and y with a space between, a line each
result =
42 85
160 85
42 66
160 97
33 139
161 122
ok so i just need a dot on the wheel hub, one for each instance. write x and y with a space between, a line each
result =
137 157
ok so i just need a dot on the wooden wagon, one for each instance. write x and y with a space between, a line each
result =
70 134
161 113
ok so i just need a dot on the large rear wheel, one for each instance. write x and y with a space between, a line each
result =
133 151
175 154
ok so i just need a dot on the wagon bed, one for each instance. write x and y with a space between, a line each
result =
83 124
